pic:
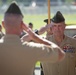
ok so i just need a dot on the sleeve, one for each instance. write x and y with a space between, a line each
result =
50 55
43 53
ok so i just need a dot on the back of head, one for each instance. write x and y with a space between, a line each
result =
58 17
13 17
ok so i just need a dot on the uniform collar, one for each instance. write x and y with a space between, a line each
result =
11 38
64 40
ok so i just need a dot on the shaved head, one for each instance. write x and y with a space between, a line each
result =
12 19
12 23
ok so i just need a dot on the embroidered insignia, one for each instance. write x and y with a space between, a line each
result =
69 48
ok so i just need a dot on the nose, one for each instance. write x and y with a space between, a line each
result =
57 27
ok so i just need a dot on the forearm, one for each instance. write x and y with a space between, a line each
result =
50 44
26 38
37 38
42 30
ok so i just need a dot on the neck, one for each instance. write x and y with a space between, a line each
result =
12 32
59 39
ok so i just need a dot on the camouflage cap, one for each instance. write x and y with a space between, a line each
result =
58 17
14 9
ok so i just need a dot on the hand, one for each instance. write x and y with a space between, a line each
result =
25 27
48 26
28 30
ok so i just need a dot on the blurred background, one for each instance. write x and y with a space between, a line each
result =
37 10
40 6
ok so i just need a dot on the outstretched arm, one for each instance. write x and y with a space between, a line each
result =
34 36
38 39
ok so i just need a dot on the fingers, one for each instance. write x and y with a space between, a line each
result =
24 26
49 25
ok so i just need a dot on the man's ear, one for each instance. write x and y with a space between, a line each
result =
24 26
3 24
64 25
21 25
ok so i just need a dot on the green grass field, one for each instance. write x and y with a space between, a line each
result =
37 21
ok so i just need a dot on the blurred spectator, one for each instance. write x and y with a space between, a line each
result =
1 33
30 25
